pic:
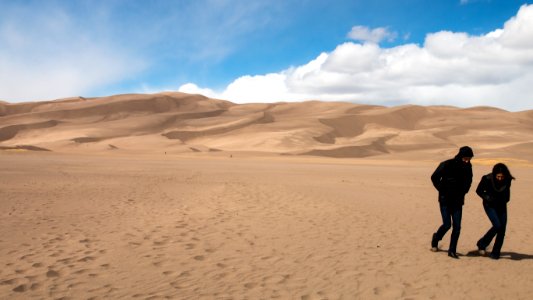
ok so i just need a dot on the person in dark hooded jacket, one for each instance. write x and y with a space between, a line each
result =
495 190
452 179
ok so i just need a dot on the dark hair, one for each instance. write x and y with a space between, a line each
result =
501 168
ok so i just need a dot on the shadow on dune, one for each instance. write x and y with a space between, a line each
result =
504 255
24 147
261 118
11 131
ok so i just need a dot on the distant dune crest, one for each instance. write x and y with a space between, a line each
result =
178 123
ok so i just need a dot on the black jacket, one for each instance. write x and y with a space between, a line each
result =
452 179
493 194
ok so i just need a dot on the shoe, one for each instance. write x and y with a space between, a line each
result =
481 249
434 243
453 255
494 256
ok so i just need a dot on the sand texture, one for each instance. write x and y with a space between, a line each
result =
93 227
176 196
183 123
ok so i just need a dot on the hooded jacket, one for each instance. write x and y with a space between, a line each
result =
453 178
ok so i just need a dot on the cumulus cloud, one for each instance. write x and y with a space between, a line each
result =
192 88
376 35
450 68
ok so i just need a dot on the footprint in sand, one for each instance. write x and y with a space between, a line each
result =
160 243
9 281
21 288
52 273
250 285
199 258
86 259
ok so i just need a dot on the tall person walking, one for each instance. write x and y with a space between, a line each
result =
452 179
495 190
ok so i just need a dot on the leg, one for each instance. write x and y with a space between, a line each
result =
456 214
500 233
496 224
446 225
486 239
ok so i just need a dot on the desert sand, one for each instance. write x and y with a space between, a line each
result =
175 196
183 123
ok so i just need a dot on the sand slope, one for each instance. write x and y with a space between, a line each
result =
178 123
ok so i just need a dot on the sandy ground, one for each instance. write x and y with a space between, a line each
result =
207 227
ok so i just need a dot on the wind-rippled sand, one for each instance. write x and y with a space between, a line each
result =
199 227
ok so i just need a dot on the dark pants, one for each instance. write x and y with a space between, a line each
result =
451 215
498 218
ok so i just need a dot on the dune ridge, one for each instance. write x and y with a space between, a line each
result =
179 122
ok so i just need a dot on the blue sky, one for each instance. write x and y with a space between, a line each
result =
451 52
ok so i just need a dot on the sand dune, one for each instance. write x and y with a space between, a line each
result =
9 132
312 128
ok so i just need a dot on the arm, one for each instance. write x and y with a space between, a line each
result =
468 180
436 177
482 189
508 193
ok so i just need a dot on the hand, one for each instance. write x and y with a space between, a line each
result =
487 198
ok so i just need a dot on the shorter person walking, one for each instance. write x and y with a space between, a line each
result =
495 190
452 179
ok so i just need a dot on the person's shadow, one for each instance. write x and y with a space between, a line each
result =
503 255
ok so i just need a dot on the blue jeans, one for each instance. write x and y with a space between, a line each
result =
498 218
451 216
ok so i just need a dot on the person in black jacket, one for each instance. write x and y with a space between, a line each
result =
452 179
495 190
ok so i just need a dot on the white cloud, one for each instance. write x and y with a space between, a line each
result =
450 68
48 55
192 88
376 35
51 49
518 33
